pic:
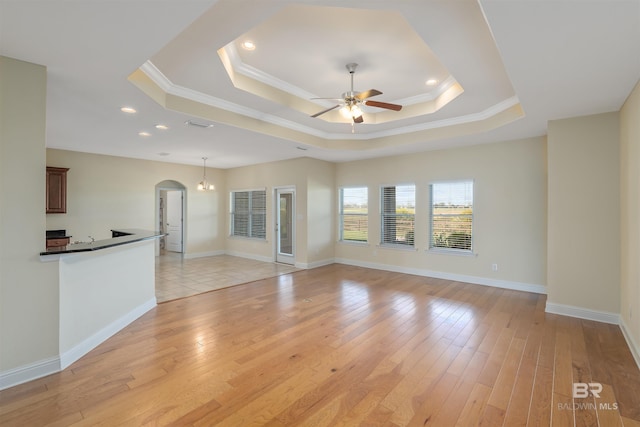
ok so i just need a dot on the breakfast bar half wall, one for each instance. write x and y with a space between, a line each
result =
104 286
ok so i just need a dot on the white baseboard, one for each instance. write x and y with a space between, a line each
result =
84 347
254 257
583 313
250 256
52 365
476 280
633 345
203 254
314 264
26 373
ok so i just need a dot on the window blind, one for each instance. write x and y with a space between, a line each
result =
398 214
248 213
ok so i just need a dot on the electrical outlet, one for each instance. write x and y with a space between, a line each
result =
494 267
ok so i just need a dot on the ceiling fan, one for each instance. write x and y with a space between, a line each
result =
350 101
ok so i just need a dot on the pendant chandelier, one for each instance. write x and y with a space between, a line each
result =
204 184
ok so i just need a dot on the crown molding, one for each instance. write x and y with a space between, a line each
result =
261 76
169 87
254 73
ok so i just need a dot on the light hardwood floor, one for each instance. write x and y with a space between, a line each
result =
343 346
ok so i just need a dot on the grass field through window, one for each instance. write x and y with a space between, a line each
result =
451 227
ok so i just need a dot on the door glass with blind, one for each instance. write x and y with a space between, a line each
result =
354 214
285 226
452 216
398 215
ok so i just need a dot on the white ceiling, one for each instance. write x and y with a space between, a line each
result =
504 68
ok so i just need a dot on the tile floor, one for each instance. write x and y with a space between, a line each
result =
178 278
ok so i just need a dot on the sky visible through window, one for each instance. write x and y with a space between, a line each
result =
406 196
453 193
355 197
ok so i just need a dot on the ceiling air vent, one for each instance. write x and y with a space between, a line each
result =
198 124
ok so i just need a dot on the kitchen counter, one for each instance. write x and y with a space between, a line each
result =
103 286
124 236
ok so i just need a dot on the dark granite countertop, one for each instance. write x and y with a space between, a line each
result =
125 236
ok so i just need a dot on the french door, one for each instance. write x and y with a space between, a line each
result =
285 225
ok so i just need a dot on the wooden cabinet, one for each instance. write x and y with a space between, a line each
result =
56 190
56 243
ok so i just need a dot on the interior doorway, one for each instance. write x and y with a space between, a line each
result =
174 221
285 225
170 217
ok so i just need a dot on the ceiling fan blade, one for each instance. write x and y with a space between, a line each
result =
326 111
394 107
367 94
358 119
334 99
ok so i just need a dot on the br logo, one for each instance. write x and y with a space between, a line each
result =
582 390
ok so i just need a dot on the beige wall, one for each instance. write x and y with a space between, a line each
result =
313 183
564 233
630 217
105 192
584 213
28 288
321 212
509 211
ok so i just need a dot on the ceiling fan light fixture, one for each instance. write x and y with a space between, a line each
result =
356 111
351 100
351 111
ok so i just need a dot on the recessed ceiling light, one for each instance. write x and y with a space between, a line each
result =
248 45
145 134
302 148
129 110
432 82
162 127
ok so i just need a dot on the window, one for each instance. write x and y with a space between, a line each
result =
354 214
249 213
452 215
398 214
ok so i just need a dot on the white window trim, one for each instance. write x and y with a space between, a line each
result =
452 251
389 245
231 213
341 214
